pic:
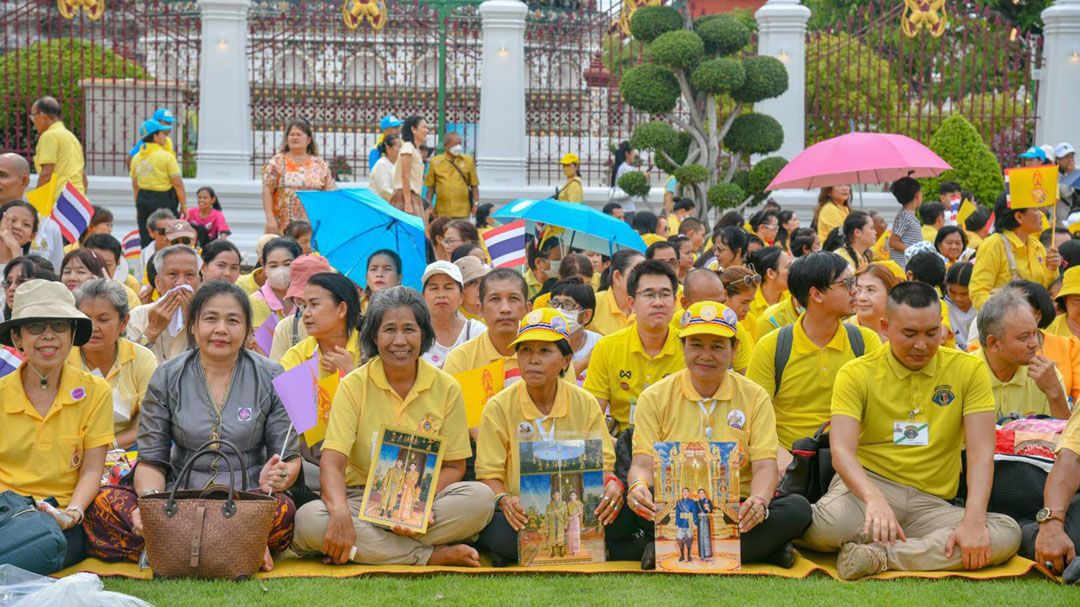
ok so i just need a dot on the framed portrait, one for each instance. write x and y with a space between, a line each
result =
401 480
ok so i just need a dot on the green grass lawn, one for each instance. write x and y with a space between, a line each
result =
601 590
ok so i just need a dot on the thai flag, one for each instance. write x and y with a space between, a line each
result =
72 213
506 244
9 361
131 244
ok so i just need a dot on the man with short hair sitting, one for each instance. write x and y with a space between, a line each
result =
1023 381
900 417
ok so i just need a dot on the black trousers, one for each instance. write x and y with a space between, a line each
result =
1029 530
147 202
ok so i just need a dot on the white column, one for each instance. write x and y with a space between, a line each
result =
501 145
782 34
1059 86
225 146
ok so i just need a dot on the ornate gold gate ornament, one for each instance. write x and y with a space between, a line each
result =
69 8
924 14
353 12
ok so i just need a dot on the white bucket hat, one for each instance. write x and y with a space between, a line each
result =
37 300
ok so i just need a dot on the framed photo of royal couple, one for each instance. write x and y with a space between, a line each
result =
402 478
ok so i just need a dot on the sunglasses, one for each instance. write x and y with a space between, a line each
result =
185 240
849 282
56 326
752 280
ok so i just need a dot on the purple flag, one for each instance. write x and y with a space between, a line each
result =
264 334
296 388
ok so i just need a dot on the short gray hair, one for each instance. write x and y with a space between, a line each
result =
993 315
104 288
157 216
389 299
162 255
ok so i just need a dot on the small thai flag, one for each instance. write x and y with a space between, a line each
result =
506 244
131 244
72 213
9 361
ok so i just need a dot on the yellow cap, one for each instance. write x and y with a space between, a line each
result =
1070 283
708 318
570 159
543 324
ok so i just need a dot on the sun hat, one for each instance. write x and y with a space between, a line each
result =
179 229
45 300
1034 152
545 324
471 269
301 270
570 159
443 267
1070 285
390 121
708 318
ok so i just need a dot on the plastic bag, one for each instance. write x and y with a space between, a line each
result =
20 588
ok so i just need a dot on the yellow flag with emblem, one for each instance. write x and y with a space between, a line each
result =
325 389
1031 187
477 386
43 198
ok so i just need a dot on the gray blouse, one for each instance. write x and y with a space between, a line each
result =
177 416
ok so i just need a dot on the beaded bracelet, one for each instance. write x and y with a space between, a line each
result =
499 497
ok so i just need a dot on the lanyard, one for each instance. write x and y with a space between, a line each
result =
703 426
539 425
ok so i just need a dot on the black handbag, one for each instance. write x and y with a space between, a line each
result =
811 469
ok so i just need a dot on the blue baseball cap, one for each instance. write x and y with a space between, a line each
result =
149 127
164 116
1034 152
390 121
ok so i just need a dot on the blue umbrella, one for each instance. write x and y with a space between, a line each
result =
586 228
349 225
1072 179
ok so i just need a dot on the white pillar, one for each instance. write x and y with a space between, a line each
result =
225 145
1059 86
501 147
782 34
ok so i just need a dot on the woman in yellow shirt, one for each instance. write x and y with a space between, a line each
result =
156 179
833 206
772 263
56 419
859 239
571 191
549 409
1068 299
1012 252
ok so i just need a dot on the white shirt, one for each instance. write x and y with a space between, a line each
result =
166 346
49 243
438 352
591 337
381 177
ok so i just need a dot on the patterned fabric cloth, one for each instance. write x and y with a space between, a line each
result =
284 178
109 534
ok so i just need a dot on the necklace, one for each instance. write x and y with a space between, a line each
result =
42 378
214 407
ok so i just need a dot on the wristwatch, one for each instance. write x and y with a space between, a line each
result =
145 341
1045 516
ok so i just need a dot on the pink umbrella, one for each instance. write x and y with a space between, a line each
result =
859 158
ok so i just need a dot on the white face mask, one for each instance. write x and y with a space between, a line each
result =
457 150
572 318
278 278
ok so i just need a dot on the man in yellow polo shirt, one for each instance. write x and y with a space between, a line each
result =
58 150
819 344
632 359
1053 538
1023 381
612 310
901 416
451 180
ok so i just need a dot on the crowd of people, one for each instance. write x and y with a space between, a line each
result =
916 341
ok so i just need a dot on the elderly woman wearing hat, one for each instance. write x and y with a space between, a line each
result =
218 390
56 419
395 388
1068 300
156 179
443 292
707 402
571 190
539 407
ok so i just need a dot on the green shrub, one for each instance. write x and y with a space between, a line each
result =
677 49
766 77
725 195
634 183
650 88
741 178
691 174
652 135
723 34
55 68
763 172
648 22
718 76
974 166
754 133
678 149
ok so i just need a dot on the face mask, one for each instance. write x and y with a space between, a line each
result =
278 278
457 150
554 269
572 318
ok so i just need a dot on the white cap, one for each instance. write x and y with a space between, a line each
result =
1063 149
442 267
1049 151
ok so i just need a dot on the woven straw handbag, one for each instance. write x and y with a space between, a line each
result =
214 533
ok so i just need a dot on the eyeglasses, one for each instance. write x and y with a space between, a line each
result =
849 283
186 241
8 284
564 305
56 326
652 295
769 226
158 231
451 242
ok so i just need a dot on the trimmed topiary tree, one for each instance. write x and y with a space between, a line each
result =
696 66
974 166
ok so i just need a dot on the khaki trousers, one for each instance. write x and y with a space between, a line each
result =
461 511
926 520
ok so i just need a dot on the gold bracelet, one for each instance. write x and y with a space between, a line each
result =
637 482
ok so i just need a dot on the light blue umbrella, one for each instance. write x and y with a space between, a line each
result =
586 228
349 225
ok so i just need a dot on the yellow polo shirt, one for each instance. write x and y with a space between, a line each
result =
758 307
1060 327
992 265
650 239
283 337
831 216
41 456
261 310
533 283
619 370
247 283
129 375
61 148
365 402
1070 437
508 420
929 233
803 401
305 349
153 168
780 314
878 391
572 191
609 317
668 412
1020 394
478 352
451 189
